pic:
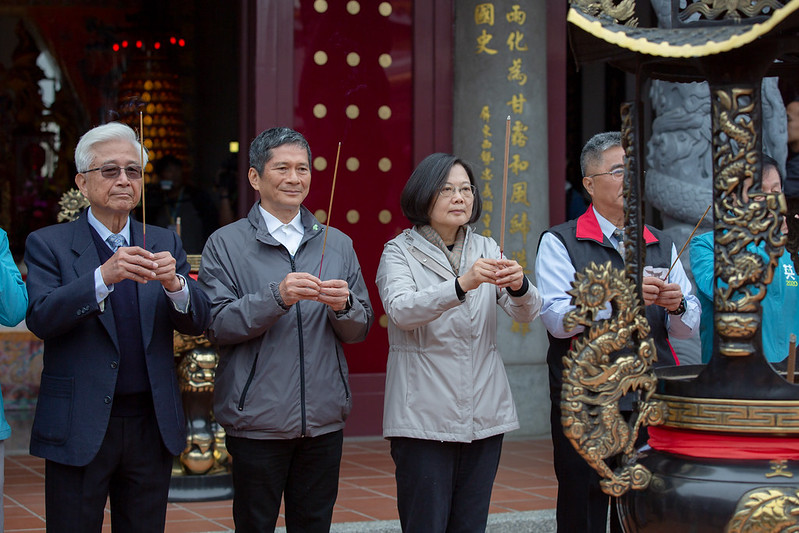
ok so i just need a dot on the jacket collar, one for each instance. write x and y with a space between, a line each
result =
416 240
588 228
310 224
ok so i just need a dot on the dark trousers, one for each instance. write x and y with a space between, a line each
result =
582 506
304 471
444 486
132 469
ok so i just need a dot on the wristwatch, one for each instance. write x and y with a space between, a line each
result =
680 309
347 306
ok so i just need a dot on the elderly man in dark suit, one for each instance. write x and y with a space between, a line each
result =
105 298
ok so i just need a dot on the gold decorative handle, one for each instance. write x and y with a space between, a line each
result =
610 359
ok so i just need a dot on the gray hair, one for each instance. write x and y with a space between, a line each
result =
261 147
112 131
596 146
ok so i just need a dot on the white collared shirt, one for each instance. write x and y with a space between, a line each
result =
289 235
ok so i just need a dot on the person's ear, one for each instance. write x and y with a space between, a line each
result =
255 179
80 181
588 184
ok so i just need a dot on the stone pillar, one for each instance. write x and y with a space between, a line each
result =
500 66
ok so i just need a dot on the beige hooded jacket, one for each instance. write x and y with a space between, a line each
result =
445 378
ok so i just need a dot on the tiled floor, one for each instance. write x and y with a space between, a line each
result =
525 482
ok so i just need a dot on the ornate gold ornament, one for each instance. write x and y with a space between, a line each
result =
72 203
779 468
197 370
743 272
762 417
602 366
766 510
205 451
622 12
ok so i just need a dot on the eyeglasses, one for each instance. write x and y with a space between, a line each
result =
467 191
617 173
111 172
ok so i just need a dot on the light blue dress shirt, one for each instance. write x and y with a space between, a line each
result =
554 275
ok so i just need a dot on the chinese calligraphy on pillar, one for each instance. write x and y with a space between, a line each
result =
494 80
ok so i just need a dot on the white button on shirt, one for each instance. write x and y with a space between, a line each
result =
289 235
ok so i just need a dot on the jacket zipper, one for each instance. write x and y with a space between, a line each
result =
302 358
249 381
341 374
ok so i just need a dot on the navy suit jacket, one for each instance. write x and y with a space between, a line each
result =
81 349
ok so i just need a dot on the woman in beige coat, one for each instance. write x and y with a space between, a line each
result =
447 402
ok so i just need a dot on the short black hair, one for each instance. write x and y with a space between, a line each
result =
421 191
165 162
261 147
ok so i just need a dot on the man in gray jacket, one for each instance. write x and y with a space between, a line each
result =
281 390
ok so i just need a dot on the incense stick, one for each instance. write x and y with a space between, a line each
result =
329 210
143 202
686 242
791 359
504 189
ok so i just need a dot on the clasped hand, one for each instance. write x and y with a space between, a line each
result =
140 265
658 292
298 286
500 272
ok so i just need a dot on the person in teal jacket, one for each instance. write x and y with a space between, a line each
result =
782 295
13 304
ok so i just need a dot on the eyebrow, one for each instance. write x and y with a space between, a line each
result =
124 165
275 163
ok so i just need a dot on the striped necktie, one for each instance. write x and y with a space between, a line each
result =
619 236
115 240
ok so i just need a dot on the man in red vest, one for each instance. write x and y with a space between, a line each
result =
671 309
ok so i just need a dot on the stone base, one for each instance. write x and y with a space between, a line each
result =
510 522
205 488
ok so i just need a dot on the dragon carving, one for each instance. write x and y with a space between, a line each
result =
766 510
741 221
610 359
622 12
729 9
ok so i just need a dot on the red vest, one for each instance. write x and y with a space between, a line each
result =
585 244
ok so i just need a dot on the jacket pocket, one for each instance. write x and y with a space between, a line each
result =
347 405
247 384
53 410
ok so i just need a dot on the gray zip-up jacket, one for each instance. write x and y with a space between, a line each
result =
445 378
282 372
